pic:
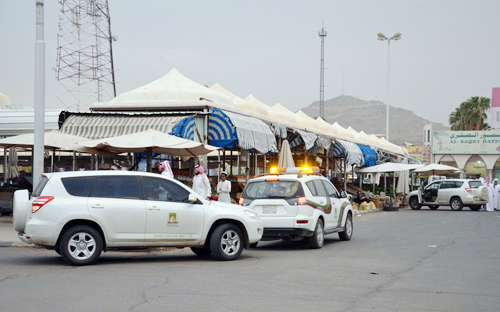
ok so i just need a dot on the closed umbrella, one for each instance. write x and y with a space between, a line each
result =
285 156
13 159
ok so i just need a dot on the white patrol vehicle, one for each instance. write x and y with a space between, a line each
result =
80 214
297 203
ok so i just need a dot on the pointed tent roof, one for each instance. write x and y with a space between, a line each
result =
284 114
325 127
343 133
171 90
217 87
307 122
254 107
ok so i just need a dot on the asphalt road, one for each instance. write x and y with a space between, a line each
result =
423 260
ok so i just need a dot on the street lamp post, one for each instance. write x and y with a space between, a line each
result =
381 37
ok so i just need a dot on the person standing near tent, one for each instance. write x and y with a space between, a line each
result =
224 188
165 169
492 198
496 186
201 185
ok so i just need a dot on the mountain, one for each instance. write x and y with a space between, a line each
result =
369 116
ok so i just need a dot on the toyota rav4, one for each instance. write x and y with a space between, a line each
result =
80 214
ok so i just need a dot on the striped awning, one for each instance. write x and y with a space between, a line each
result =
106 126
306 138
351 151
227 129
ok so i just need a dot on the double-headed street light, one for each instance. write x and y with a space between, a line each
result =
381 37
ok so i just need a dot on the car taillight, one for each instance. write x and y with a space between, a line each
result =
39 202
297 201
468 189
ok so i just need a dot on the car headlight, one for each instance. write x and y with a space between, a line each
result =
252 214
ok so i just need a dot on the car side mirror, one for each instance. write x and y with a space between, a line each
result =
343 194
192 199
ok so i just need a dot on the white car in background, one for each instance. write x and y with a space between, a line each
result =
80 214
298 203
455 193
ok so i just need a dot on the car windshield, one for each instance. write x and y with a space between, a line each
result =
273 189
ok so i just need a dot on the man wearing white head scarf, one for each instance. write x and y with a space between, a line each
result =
496 187
493 195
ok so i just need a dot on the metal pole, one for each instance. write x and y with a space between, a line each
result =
38 145
388 87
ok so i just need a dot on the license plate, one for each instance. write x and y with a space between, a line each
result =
269 210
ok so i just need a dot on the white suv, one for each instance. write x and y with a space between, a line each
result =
80 214
455 193
299 205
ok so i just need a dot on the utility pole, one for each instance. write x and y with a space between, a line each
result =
38 144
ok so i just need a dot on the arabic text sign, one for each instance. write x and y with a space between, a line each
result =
466 142
416 151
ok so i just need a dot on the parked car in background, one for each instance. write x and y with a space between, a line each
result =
298 203
455 193
81 214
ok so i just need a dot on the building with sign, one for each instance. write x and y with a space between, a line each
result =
477 153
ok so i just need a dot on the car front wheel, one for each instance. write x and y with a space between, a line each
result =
316 241
81 245
456 204
414 204
226 242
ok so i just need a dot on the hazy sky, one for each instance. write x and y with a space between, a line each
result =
449 51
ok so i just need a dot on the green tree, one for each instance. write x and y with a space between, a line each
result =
470 115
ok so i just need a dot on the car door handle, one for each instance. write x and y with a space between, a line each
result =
154 208
97 206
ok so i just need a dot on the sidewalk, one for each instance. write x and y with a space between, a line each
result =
8 237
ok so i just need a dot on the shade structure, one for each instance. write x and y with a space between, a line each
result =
437 169
95 126
388 167
285 156
157 141
52 139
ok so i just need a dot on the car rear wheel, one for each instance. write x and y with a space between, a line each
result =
81 245
226 242
433 207
414 204
316 241
348 228
456 204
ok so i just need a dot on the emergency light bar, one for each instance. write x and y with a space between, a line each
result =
295 170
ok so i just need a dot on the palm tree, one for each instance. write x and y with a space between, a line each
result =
470 115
